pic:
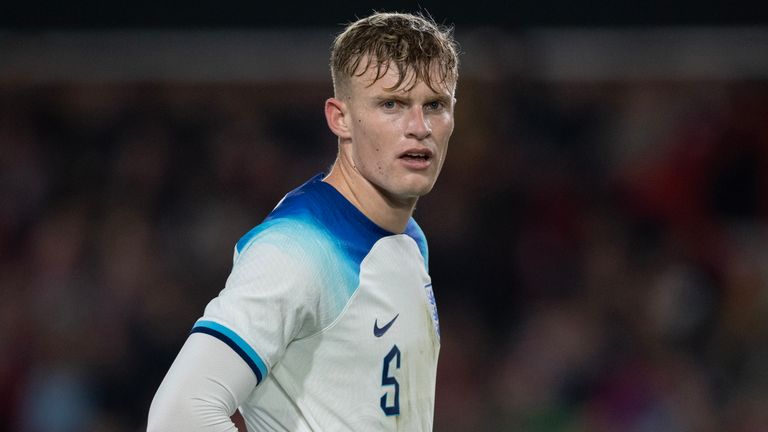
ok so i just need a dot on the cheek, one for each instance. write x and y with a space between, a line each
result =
375 156
446 124
445 132
374 138
368 150
371 140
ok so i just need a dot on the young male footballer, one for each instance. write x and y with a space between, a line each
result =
328 320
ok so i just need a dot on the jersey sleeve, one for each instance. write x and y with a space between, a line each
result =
270 298
202 389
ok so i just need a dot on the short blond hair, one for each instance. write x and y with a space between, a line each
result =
414 44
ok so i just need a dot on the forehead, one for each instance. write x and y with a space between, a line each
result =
387 77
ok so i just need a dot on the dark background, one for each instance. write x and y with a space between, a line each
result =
228 13
598 237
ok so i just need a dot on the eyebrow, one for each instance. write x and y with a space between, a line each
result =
402 95
446 99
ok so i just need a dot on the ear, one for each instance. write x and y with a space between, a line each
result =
337 117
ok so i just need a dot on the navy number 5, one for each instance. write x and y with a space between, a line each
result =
388 380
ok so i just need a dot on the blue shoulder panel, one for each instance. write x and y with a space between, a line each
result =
317 215
414 231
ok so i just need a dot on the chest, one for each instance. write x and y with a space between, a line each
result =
394 302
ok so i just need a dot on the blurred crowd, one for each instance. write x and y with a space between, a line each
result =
599 250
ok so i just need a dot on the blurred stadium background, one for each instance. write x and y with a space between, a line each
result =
598 237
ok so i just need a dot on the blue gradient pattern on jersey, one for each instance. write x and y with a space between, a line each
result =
414 231
323 232
317 215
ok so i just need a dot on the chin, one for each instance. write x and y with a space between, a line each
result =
418 181
416 191
409 187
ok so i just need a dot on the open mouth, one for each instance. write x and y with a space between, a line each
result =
417 155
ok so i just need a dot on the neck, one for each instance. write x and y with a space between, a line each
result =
386 211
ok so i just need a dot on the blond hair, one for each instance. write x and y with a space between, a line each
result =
420 49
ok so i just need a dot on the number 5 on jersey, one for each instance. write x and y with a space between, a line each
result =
387 379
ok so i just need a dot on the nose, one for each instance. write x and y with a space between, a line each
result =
417 126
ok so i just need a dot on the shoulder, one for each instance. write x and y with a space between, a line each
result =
413 230
298 239
292 223
317 215
311 228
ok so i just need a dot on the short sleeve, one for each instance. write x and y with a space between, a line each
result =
270 298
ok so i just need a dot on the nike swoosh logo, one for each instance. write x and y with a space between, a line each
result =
379 331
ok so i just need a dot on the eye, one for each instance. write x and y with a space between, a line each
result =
389 104
434 106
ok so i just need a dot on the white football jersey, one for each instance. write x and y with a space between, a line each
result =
335 316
